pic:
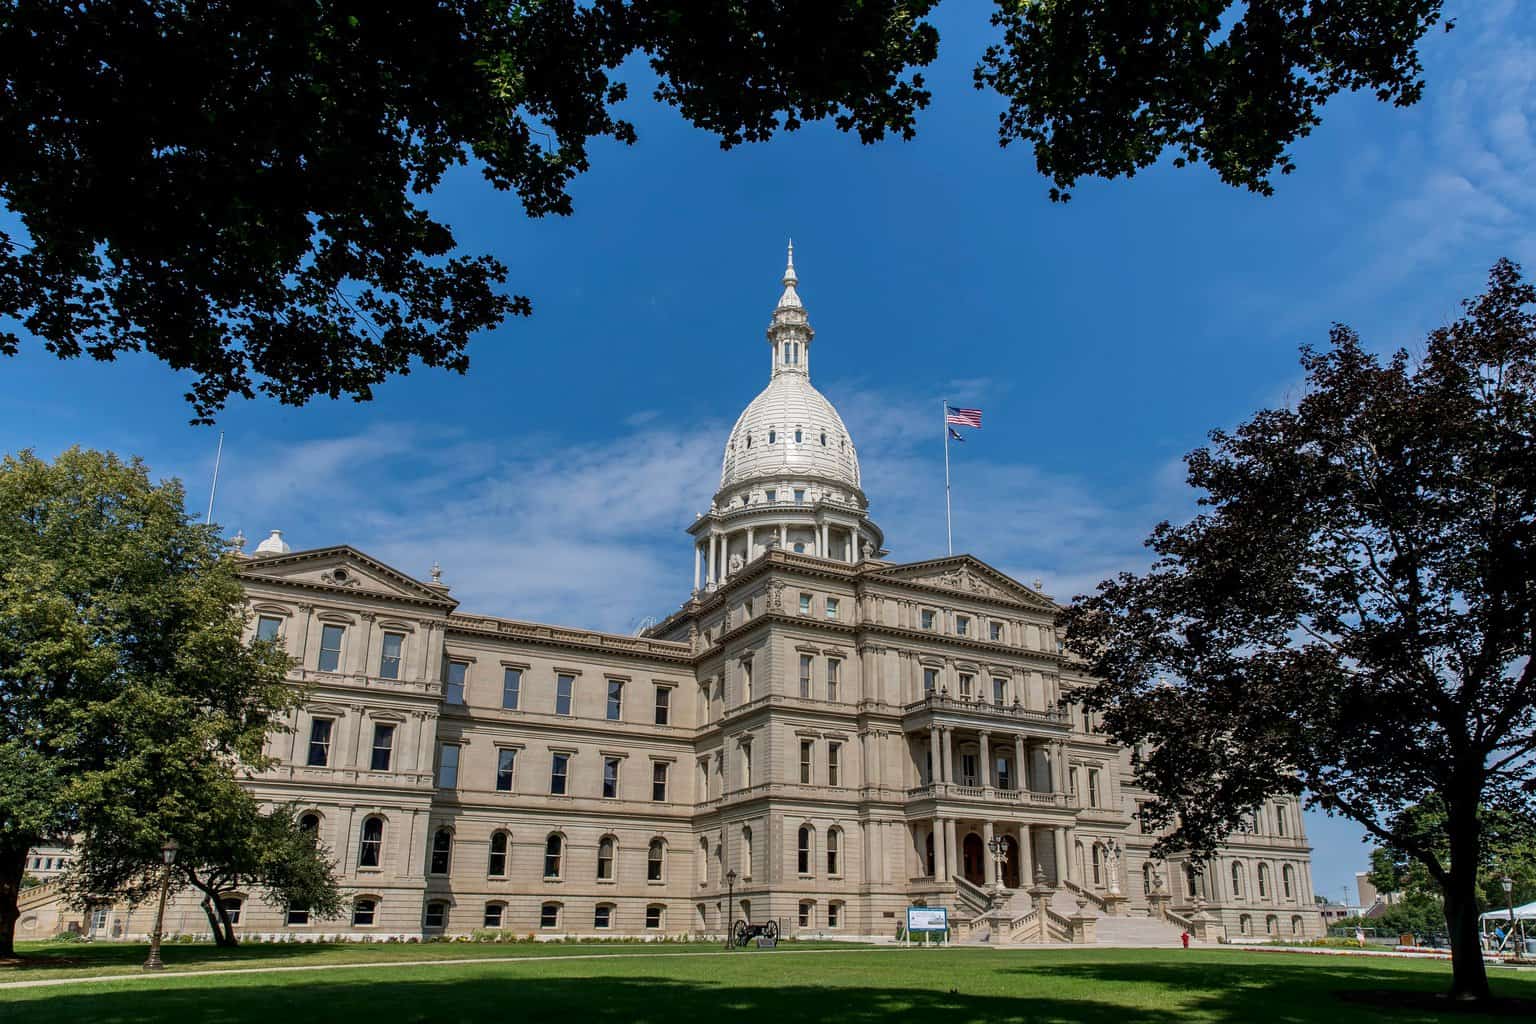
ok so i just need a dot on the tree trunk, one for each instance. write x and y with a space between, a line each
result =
1469 977
218 919
13 867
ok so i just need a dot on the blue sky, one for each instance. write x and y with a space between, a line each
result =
1102 337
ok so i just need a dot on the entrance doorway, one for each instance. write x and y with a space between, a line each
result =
972 852
1011 865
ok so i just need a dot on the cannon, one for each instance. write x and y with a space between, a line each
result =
746 932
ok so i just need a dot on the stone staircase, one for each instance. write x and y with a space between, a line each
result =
1135 931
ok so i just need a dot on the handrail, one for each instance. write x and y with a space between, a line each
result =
1091 896
42 892
942 701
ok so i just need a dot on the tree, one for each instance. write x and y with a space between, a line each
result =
122 660
227 844
1352 613
233 187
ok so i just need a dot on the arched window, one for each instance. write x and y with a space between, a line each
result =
309 822
1245 925
1237 880
364 910
605 848
442 851
823 438
371 842
807 914
495 914
797 435
602 916
655 860
1296 924
496 865
553 847
772 435
749 440
1288 881
1271 925
653 916
1263 881
834 849
549 913
805 850
835 914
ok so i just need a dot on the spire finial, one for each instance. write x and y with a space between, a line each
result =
789 270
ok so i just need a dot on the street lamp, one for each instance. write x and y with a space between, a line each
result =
999 848
730 905
1509 900
167 854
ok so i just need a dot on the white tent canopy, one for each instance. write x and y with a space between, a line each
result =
1526 912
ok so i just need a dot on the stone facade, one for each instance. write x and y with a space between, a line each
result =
825 734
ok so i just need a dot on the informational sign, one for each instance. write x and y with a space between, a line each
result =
764 942
927 919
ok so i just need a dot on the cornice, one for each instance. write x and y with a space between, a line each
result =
571 639
251 568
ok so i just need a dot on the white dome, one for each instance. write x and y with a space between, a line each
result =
763 444
273 545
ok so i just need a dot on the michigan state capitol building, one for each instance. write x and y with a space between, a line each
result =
825 736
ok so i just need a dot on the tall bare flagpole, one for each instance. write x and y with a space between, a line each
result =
217 457
949 529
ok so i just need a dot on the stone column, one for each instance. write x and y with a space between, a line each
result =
1026 857
1059 769
953 846
935 757
1072 871
1060 836
749 545
698 558
783 536
713 537
949 768
940 841
986 760
990 861
1020 765
825 552
874 772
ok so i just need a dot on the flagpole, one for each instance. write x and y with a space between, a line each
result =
217 458
949 530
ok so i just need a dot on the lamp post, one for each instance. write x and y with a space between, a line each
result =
1509 901
730 905
168 855
999 848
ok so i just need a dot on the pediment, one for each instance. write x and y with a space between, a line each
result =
344 569
964 574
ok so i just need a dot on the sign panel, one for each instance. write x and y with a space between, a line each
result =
927 919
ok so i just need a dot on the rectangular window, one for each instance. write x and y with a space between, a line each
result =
1003 775
610 777
563 686
330 651
999 690
653 917
664 698
963 625
799 496
1093 787
831 608
320 742
437 914
659 782
770 495
834 764
298 915
454 675
493 915
269 628
930 681
968 769
511 688
834 671
807 752
834 914
929 617
559 765
967 685
549 915
615 700
807 914
805 675
232 906
603 917
805 604
995 631
746 767
383 747
389 655
506 762
448 766
362 913
1072 778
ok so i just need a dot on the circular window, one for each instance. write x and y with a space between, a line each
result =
340 575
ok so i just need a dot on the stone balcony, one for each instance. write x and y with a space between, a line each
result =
992 795
984 712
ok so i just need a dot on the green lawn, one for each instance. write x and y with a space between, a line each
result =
847 987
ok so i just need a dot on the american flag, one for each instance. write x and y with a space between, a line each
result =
962 417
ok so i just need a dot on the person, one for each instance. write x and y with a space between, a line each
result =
1498 936
1184 938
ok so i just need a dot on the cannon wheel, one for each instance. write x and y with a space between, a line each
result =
740 935
771 929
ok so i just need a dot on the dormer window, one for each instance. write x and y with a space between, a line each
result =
823 438
772 435
749 440
797 435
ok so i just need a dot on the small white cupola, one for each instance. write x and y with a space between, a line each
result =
273 545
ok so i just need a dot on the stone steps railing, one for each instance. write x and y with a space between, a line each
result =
39 894
1088 894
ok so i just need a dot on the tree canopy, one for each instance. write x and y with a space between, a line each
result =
1353 611
128 697
235 188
